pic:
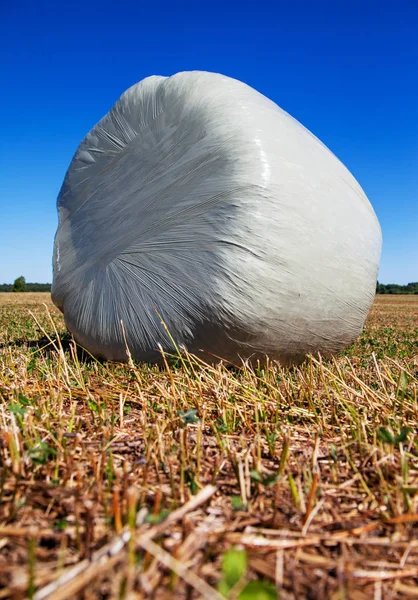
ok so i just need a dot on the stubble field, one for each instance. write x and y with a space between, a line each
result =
130 481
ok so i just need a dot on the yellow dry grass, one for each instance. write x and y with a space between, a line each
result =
130 481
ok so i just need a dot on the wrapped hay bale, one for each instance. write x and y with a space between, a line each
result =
198 207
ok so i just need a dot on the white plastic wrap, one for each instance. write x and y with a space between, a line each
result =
198 202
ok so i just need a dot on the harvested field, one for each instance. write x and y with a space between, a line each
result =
131 481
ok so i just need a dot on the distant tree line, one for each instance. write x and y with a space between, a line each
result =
20 285
394 288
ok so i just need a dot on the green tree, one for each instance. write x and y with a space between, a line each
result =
19 284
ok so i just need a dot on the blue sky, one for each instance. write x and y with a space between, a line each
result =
347 69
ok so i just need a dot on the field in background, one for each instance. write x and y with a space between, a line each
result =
124 481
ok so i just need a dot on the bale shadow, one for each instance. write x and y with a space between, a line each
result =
51 346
